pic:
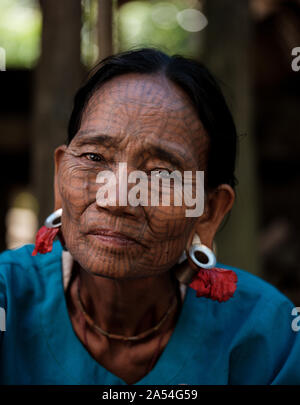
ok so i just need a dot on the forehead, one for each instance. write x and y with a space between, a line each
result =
153 91
140 107
132 99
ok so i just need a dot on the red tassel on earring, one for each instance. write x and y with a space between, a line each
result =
215 283
44 240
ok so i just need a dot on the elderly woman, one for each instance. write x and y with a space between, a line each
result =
113 300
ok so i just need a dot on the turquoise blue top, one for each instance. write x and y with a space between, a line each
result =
246 340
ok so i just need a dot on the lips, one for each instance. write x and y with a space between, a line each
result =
110 236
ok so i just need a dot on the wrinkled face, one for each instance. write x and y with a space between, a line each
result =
149 123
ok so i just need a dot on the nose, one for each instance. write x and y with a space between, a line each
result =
113 191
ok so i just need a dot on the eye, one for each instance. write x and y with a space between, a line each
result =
162 173
95 157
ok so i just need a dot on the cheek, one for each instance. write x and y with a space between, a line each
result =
166 222
77 189
169 231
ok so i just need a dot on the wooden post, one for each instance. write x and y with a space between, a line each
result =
57 76
226 54
106 28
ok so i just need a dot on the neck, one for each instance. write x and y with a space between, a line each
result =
127 307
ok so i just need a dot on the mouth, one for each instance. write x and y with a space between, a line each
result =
112 238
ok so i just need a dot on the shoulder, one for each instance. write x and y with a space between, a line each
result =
20 271
257 312
256 306
254 291
264 344
22 257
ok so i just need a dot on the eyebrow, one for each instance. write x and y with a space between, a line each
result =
85 138
166 155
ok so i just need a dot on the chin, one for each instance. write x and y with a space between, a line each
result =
114 262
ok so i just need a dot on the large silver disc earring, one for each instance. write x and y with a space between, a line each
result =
201 255
54 219
183 271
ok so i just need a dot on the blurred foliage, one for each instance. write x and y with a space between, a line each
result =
20 32
139 23
155 23
89 48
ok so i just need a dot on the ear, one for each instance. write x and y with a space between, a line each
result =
58 155
218 203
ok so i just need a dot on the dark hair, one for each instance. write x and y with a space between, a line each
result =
194 78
